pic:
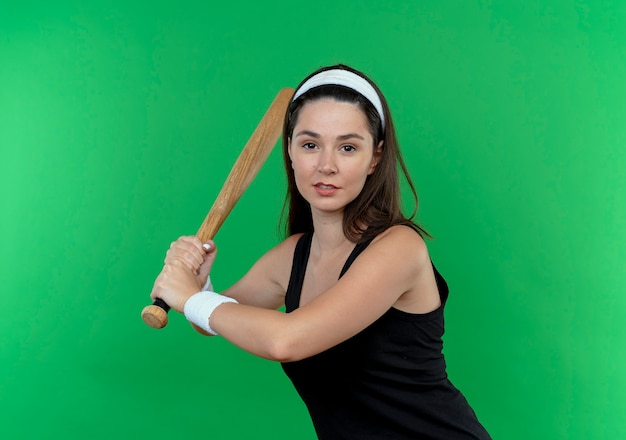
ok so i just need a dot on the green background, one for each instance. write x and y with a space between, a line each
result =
120 120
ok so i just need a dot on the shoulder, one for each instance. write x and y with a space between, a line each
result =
399 251
404 242
403 255
398 254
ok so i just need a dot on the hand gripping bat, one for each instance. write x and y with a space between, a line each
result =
246 167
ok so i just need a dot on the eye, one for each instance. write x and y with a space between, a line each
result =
309 146
348 148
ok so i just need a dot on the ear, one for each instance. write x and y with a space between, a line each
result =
378 153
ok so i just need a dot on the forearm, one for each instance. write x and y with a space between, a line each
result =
262 332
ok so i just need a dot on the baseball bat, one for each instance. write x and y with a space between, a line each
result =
246 167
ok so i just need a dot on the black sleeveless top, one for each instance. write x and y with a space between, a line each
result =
387 382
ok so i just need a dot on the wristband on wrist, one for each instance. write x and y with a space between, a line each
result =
200 306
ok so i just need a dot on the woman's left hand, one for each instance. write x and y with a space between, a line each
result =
175 284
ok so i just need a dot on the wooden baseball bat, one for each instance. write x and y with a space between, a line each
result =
246 167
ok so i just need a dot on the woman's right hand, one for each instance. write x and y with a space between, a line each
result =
194 254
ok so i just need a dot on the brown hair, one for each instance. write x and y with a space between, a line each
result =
378 206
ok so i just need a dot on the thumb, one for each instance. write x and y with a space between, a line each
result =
209 257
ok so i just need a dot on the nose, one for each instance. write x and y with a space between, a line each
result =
327 164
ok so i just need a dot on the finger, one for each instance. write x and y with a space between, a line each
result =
188 249
190 260
193 240
209 247
209 258
156 289
189 243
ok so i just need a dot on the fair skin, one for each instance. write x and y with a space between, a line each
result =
332 153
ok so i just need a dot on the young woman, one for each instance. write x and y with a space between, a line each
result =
361 339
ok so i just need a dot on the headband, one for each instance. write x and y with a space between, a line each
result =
348 79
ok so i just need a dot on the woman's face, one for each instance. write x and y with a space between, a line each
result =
332 153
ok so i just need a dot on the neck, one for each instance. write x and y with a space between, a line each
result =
328 237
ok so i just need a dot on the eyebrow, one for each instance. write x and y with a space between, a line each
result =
343 137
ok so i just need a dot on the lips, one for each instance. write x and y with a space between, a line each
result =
325 189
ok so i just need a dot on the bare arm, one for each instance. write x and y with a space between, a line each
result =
265 283
393 266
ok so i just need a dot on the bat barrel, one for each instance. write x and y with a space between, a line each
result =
244 170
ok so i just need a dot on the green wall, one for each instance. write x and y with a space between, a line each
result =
120 120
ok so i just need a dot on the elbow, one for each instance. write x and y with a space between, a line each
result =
284 349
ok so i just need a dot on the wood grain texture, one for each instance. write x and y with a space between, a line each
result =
243 172
248 164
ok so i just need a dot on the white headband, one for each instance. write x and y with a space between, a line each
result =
348 79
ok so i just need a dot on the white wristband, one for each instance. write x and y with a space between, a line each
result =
208 286
200 306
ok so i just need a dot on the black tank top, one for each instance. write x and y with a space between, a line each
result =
387 382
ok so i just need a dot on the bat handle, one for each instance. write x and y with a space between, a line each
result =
155 315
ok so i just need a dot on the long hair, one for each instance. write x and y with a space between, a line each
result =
378 206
